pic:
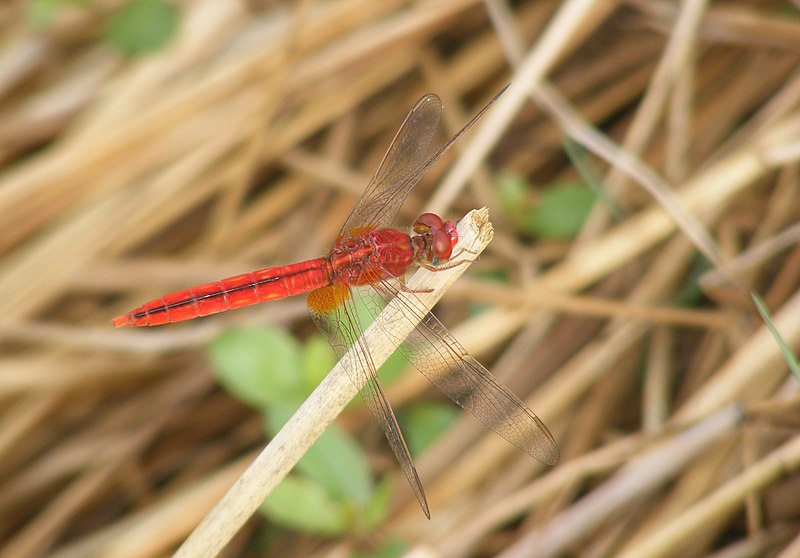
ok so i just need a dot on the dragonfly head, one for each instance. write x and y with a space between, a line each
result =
433 238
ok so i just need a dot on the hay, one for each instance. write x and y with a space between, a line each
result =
246 142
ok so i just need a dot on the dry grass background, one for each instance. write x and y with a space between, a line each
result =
247 141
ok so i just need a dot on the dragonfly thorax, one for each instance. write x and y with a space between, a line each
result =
374 255
434 239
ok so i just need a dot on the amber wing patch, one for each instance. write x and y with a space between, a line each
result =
327 299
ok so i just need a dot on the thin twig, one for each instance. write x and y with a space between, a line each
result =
324 405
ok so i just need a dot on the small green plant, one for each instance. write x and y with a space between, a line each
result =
142 26
392 548
42 12
136 28
331 491
424 422
558 214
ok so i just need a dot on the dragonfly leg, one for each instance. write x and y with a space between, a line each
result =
450 264
403 288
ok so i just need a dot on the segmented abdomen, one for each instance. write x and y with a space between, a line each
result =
234 292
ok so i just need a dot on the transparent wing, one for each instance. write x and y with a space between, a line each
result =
405 162
333 312
446 364
400 169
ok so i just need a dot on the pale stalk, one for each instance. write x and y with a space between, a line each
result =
326 402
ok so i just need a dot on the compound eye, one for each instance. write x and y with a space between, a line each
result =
450 229
428 222
442 245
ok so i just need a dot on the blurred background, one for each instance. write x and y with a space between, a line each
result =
641 174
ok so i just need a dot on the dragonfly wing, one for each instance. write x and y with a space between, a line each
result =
400 168
333 312
443 360
405 162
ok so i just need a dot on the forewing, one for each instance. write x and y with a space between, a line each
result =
405 162
333 311
440 357
400 169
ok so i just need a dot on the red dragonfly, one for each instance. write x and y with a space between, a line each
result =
369 252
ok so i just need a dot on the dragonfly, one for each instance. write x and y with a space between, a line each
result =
368 260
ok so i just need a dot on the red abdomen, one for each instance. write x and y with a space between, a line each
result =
234 292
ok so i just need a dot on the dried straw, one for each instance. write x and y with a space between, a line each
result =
246 142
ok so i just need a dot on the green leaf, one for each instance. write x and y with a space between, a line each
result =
335 461
378 508
785 349
277 414
142 26
424 422
392 548
317 360
393 368
41 13
561 211
559 214
493 275
302 504
260 366
512 190
396 364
